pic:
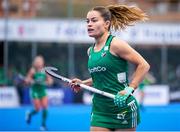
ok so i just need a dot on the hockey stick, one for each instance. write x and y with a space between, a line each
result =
51 72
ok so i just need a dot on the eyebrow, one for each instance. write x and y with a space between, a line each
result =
92 18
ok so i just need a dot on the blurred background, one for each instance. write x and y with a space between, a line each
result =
56 29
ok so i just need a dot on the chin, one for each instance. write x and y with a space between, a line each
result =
92 35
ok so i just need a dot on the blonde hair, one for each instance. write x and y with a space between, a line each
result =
121 16
38 60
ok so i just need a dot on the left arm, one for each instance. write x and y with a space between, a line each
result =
122 49
49 80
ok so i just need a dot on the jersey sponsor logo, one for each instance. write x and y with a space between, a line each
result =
121 116
97 69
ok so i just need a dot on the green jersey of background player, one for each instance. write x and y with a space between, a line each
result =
38 90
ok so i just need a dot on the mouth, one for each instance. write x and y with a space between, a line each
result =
90 29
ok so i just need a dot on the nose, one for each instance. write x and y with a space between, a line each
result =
89 24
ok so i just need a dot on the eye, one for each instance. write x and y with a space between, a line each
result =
94 20
87 20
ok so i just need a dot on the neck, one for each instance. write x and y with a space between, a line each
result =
37 69
102 39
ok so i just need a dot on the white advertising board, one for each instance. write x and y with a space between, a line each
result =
55 97
66 30
154 95
8 97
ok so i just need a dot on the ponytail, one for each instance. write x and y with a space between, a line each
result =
122 16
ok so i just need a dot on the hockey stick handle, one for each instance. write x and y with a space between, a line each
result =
50 71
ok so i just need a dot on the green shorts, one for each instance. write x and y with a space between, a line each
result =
38 94
125 118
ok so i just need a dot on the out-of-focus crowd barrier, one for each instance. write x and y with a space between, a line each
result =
10 96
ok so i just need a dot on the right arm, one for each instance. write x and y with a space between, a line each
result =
49 80
87 82
74 82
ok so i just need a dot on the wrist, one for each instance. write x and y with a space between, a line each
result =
129 90
86 82
133 85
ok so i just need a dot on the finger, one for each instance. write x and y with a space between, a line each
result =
75 80
73 85
76 89
123 92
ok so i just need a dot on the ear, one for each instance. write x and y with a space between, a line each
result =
107 23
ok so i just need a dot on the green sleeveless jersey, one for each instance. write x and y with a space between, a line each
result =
109 74
39 86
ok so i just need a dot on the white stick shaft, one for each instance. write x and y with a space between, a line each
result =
97 91
92 89
50 70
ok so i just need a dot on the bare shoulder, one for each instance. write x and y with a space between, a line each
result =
118 45
124 50
31 71
30 74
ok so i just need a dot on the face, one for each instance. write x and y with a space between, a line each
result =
96 26
38 63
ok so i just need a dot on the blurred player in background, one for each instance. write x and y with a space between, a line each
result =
39 81
108 67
